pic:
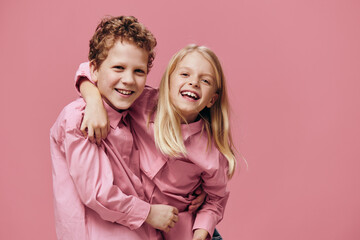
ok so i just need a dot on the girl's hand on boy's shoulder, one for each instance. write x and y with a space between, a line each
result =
95 124
200 234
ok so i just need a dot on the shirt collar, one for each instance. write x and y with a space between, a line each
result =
187 129
114 116
191 129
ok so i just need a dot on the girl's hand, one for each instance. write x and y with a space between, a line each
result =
200 234
162 217
95 124
198 201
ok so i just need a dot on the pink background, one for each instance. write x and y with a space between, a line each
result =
293 71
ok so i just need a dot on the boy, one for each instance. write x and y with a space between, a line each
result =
98 193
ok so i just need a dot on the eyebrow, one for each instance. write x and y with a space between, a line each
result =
189 69
208 74
116 63
141 67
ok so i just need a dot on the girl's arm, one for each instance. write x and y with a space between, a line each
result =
212 211
198 201
200 234
95 124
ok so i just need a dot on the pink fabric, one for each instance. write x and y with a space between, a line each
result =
82 72
97 190
171 181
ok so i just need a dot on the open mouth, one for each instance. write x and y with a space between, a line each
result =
124 92
189 94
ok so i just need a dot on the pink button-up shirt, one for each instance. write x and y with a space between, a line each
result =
98 193
172 180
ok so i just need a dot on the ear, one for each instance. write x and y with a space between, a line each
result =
213 100
94 71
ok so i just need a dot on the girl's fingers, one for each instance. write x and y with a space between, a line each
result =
194 207
199 199
198 191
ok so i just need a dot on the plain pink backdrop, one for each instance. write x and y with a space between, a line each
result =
293 72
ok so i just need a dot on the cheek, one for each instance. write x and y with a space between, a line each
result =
109 84
209 95
173 95
173 86
141 83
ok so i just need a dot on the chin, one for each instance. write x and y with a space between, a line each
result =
122 108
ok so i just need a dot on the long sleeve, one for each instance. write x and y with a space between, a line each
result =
214 184
93 177
91 171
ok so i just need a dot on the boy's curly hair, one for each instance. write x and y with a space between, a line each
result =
123 28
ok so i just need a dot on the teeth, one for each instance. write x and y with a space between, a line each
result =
190 94
125 92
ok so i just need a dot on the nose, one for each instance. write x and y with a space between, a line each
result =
194 81
128 77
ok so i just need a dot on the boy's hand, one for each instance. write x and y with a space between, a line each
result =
200 234
95 124
162 217
198 201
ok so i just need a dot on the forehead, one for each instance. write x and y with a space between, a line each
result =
197 62
126 52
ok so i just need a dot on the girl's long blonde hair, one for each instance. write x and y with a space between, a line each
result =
167 125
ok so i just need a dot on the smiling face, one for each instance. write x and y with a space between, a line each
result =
193 85
122 75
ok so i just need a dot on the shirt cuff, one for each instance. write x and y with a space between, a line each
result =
137 214
205 221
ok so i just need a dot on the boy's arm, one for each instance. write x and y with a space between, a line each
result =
162 217
212 210
95 124
93 177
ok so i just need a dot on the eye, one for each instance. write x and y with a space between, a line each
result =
184 74
206 81
118 67
140 71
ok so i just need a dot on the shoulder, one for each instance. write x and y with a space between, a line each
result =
145 103
69 118
149 94
204 153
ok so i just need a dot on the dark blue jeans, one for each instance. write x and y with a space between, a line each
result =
216 235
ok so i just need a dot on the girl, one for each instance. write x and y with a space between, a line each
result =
186 141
